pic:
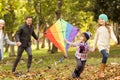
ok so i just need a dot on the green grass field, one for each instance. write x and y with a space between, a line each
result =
46 66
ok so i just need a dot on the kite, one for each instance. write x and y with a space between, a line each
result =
58 32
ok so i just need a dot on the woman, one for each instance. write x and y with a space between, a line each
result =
3 38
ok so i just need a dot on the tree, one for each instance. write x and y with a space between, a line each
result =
45 10
58 15
9 18
112 9
41 23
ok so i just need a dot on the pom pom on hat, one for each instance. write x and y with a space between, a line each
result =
103 16
87 35
2 21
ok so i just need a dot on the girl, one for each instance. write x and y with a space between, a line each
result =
102 40
81 53
3 37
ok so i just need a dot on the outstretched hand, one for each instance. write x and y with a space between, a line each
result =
94 49
18 43
116 43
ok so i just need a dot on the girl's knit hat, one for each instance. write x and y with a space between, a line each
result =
87 35
103 16
2 21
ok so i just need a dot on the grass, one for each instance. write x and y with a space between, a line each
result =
49 66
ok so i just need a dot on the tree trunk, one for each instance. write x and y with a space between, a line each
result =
58 14
49 46
38 31
43 43
48 41
12 51
6 47
118 33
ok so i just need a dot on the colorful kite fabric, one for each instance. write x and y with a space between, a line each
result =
58 32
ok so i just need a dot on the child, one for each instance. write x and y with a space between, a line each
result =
102 40
81 53
3 37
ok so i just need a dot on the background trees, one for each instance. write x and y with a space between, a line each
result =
112 9
81 13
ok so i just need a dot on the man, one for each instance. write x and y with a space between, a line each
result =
23 38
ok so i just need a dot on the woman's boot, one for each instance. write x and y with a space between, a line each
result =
102 68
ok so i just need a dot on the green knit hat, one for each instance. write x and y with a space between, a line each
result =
103 16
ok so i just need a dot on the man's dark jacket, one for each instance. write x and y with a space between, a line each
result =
24 34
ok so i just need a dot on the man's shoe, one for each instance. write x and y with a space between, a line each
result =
13 70
29 70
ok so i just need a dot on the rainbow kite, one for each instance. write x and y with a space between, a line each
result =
58 32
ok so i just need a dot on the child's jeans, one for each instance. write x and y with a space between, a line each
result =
79 68
105 56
